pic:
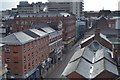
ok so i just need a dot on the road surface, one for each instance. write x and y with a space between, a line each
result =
59 67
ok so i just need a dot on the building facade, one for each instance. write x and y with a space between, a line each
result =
75 7
81 27
54 30
55 43
25 52
105 64
3 66
25 7
24 21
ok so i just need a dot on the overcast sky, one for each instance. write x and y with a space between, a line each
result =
89 5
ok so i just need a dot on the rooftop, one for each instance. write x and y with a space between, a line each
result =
44 14
91 60
17 38
38 32
48 29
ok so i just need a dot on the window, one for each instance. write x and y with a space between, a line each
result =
15 61
17 29
32 54
35 43
24 66
16 74
24 48
8 72
38 42
29 66
25 22
24 58
32 63
32 45
22 23
39 49
7 49
17 22
28 47
119 60
25 71
7 60
36 53
29 57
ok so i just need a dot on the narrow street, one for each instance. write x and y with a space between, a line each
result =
59 67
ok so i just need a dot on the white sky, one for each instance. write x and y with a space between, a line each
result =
89 5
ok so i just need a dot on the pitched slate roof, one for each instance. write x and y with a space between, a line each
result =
48 29
32 34
18 38
38 32
90 61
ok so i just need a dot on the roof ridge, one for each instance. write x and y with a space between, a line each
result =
17 37
80 59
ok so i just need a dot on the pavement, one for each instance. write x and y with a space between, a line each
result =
57 69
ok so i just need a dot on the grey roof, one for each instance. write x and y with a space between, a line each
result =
54 25
39 25
84 68
110 35
17 39
32 34
77 54
112 40
44 14
38 32
88 54
105 31
48 29
91 60
103 65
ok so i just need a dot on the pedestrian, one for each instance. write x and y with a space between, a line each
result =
41 77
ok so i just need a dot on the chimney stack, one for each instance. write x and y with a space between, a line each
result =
97 34
116 53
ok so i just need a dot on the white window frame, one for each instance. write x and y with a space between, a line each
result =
7 59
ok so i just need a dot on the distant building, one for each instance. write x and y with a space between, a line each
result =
25 7
118 23
81 27
119 5
3 66
24 21
75 7
3 30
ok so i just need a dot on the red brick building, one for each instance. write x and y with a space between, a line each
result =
24 21
3 66
54 30
24 52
